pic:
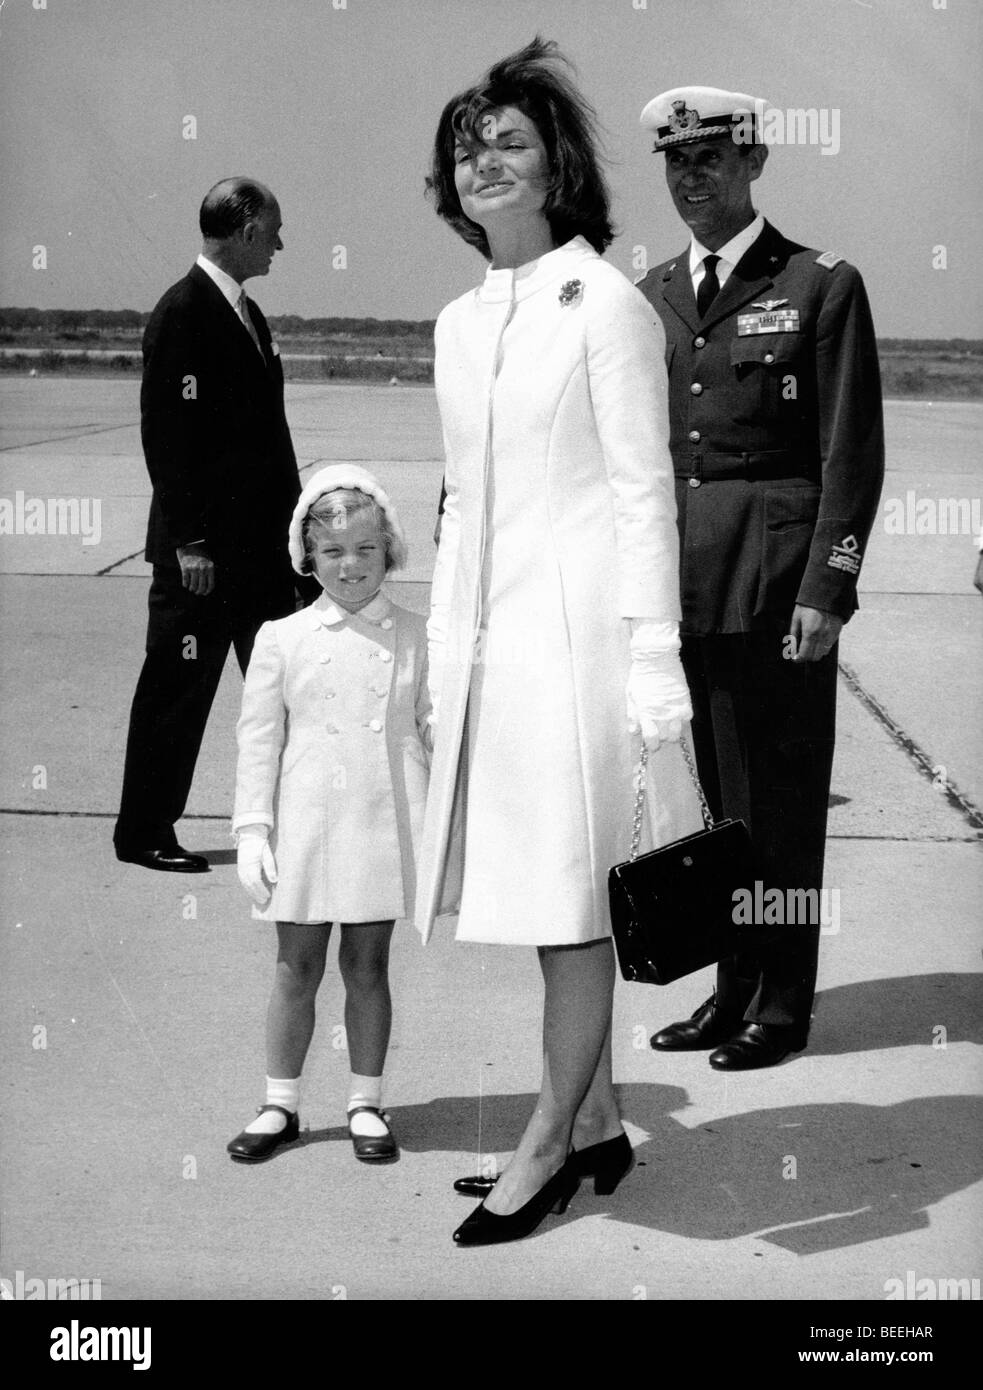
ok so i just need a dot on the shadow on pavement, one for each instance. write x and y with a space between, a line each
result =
807 1178
904 1011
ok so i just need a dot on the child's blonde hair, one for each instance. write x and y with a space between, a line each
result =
333 511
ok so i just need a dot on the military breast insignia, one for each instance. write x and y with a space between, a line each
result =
768 304
775 321
571 292
846 555
828 260
683 117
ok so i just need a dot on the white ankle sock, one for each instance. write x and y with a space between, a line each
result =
366 1090
278 1092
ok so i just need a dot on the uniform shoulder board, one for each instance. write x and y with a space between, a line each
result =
828 259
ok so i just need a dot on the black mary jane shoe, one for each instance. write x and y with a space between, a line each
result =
373 1148
484 1227
607 1163
252 1148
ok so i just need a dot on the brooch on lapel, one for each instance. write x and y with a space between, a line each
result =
571 292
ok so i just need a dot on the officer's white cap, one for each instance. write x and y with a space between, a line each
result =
685 114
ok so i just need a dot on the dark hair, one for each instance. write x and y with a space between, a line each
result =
532 80
230 205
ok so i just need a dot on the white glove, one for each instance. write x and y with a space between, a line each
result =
254 858
657 697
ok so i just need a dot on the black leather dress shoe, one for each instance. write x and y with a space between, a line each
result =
708 1027
373 1148
251 1148
172 860
757 1045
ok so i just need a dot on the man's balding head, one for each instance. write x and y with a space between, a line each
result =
232 203
240 225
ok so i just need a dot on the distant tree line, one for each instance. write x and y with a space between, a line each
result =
73 320
973 347
292 325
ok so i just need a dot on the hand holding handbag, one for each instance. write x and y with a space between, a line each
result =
673 910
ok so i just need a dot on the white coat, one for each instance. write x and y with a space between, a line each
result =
559 526
332 759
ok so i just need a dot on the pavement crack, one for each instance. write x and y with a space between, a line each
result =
927 766
115 563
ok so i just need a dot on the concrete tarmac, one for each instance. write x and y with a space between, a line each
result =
133 1002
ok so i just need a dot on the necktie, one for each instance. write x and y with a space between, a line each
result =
709 286
242 309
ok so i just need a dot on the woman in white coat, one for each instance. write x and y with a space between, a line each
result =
555 598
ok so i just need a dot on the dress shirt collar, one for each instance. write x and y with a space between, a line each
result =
730 253
231 289
501 286
326 611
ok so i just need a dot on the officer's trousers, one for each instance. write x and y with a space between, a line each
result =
763 733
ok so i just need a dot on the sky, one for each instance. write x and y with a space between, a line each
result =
334 103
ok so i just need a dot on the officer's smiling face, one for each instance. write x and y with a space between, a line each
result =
710 182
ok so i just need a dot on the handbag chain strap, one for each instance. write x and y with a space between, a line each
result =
639 780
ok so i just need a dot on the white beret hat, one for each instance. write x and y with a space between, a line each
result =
685 114
344 475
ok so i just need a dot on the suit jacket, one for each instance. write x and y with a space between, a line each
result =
215 437
776 436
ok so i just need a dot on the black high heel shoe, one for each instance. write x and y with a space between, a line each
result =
607 1163
484 1227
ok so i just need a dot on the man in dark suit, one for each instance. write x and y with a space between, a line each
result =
225 482
777 441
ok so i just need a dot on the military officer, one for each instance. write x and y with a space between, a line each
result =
777 442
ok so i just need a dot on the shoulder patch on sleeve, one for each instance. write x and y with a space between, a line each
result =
828 259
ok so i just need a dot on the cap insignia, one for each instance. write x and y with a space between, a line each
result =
683 118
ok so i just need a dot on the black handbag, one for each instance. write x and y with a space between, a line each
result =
673 910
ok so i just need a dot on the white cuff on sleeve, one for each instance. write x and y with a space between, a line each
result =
252 818
650 637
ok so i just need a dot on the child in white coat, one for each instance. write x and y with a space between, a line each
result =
330 791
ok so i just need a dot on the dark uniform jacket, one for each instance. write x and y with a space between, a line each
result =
776 434
215 437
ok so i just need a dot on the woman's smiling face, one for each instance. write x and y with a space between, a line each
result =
503 172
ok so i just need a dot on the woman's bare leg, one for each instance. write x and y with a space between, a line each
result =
579 988
599 1117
